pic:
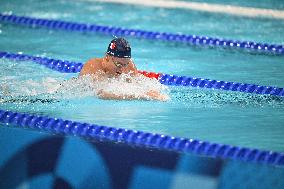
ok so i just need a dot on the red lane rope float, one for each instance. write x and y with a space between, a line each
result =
150 74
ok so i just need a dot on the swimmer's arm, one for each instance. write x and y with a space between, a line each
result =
151 95
110 96
155 95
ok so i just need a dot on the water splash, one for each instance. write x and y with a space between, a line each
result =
123 85
12 90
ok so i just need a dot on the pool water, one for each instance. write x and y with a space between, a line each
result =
233 118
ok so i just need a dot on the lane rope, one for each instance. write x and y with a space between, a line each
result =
167 79
139 138
151 35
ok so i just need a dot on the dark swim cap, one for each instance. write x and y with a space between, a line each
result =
120 48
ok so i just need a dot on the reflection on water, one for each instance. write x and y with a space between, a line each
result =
216 98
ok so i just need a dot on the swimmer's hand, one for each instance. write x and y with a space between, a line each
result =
150 95
155 95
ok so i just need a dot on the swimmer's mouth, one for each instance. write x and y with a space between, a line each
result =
118 73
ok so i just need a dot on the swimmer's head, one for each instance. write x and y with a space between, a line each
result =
119 48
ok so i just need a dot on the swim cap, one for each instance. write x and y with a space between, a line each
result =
119 47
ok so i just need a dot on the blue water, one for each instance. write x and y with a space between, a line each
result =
216 116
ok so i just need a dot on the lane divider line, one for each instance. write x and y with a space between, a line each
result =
150 35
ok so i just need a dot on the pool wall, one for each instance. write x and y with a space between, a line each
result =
51 158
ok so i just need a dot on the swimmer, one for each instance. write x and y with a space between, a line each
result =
117 61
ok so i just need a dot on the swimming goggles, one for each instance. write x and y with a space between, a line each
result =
120 65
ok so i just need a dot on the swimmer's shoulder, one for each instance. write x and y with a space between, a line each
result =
91 66
94 62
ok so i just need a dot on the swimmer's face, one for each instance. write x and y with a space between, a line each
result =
119 63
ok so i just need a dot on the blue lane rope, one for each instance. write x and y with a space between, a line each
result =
117 31
139 138
54 64
74 67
